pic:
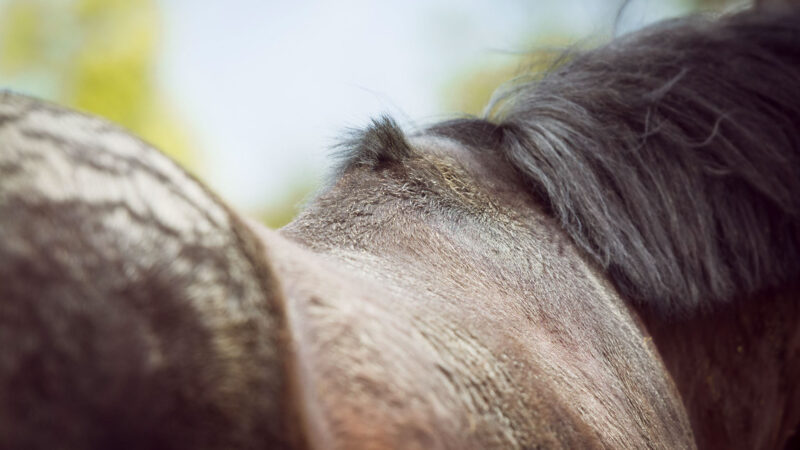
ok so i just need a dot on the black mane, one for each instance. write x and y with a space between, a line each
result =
670 156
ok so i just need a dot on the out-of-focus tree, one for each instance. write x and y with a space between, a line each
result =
95 55
283 211
470 92
100 56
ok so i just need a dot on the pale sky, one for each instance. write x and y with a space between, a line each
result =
266 87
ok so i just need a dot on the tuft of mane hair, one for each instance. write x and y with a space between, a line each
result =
378 145
670 156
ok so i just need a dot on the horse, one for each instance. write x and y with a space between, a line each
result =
608 258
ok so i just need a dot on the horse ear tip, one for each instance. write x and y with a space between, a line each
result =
381 142
386 141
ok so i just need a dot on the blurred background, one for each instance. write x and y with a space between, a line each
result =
250 95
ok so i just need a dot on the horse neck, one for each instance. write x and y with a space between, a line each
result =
737 370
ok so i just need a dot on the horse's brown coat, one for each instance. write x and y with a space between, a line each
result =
453 314
431 297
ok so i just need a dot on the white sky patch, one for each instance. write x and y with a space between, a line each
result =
268 87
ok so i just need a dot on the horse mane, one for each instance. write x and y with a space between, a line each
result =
670 156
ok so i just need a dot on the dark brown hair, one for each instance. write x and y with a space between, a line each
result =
670 156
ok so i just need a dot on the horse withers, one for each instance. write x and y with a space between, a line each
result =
608 259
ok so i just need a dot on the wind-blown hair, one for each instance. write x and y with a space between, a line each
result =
670 156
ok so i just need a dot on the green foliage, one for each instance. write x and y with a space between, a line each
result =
100 56
23 41
470 92
283 211
94 55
